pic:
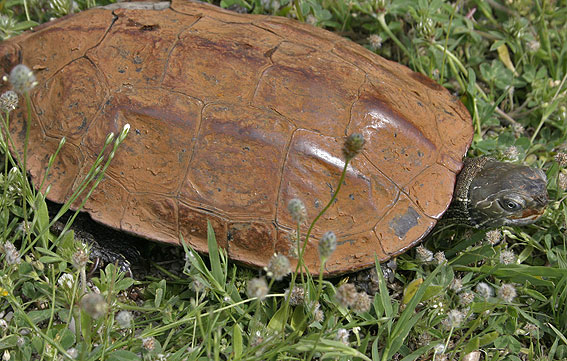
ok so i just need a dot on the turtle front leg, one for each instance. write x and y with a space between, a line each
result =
105 246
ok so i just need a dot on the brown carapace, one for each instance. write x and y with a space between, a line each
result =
231 117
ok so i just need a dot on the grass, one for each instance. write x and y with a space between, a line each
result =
502 294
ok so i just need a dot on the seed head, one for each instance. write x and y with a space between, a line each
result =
327 245
507 292
361 303
80 258
22 79
562 182
512 153
466 298
561 159
353 145
342 335
423 254
318 314
456 284
439 349
8 101
531 329
94 305
454 319
257 287
440 257
296 296
375 42
484 290
297 210
11 253
346 294
73 352
493 237
149 343
278 267
507 257
124 319
533 45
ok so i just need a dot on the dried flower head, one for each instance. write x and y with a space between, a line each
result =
507 257
73 352
507 292
8 101
346 294
531 329
512 153
493 237
342 335
22 79
149 343
440 257
361 303
318 314
561 159
257 287
456 284
297 210
562 181
94 305
124 319
353 145
484 290
327 245
439 349
533 45
466 298
11 253
296 296
80 258
375 42
278 267
423 254
454 319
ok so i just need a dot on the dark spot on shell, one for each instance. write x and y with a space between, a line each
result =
402 224
349 241
149 27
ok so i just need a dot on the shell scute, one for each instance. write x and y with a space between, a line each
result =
151 214
234 140
136 49
154 160
68 88
318 87
56 44
313 165
193 226
238 60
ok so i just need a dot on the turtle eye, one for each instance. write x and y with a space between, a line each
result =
510 205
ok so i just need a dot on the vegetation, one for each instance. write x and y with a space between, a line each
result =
464 295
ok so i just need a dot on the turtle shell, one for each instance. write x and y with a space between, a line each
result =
231 117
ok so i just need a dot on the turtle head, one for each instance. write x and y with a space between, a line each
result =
497 193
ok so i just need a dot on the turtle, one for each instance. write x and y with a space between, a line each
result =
233 115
